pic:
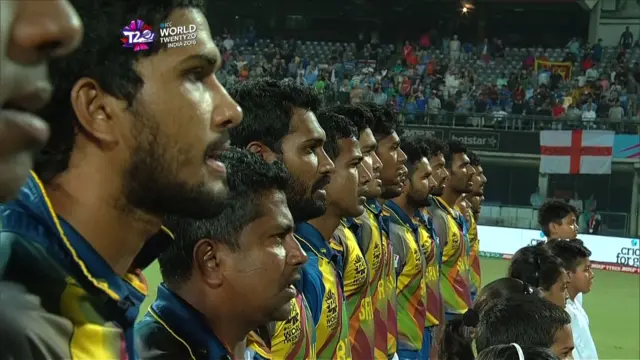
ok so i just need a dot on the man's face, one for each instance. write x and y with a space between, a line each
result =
461 174
178 126
263 271
31 32
371 163
563 344
440 174
393 170
479 181
557 294
309 166
420 184
345 193
582 278
567 229
476 203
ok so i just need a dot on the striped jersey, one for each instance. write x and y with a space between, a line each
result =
433 256
449 227
356 289
410 270
97 306
292 339
322 286
474 256
376 249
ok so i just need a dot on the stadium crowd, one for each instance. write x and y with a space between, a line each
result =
444 81
284 228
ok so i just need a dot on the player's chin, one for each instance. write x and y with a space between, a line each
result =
282 312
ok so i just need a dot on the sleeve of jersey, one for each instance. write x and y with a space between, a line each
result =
312 287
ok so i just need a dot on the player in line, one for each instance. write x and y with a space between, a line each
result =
31 33
119 158
214 262
449 227
411 242
280 125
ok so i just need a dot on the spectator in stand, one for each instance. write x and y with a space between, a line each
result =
379 97
357 93
626 39
596 51
558 112
228 43
499 49
573 47
484 51
616 112
529 61
573 114
499 116
621 58
502 80
589 116
454 49
434 105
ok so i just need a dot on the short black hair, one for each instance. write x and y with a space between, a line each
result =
101 58
336 127
510 352
268 106
553 211
537 266
411 145
249 178
520 319
453 147
358 114
436 146
385 120
473 158
571 252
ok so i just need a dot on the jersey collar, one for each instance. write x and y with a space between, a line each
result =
188 325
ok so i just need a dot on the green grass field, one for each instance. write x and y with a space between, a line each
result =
613 307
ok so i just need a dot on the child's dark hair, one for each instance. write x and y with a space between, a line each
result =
553 211
525 320
456 341
510 352
537 266
570 252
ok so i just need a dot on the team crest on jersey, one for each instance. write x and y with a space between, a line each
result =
292 327
377 253
360 270
331 306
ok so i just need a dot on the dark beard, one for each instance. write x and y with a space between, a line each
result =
151 183
302 206
390 192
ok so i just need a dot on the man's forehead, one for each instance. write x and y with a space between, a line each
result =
304 122
349 147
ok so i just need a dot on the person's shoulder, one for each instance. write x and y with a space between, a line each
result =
155 342
27 330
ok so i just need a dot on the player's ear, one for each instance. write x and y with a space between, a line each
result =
207 262
263 151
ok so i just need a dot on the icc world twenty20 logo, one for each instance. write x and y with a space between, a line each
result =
137 35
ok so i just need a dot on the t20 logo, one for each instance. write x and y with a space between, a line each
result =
137 35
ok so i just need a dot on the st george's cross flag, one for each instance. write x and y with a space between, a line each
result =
576 151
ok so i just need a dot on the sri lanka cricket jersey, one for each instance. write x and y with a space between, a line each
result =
449 227
410 269
322 286
93 309
356 290
292 339
474 257
433 255
376 249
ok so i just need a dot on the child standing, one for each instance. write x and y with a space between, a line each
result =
575 257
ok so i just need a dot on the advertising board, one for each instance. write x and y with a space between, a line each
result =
608 253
